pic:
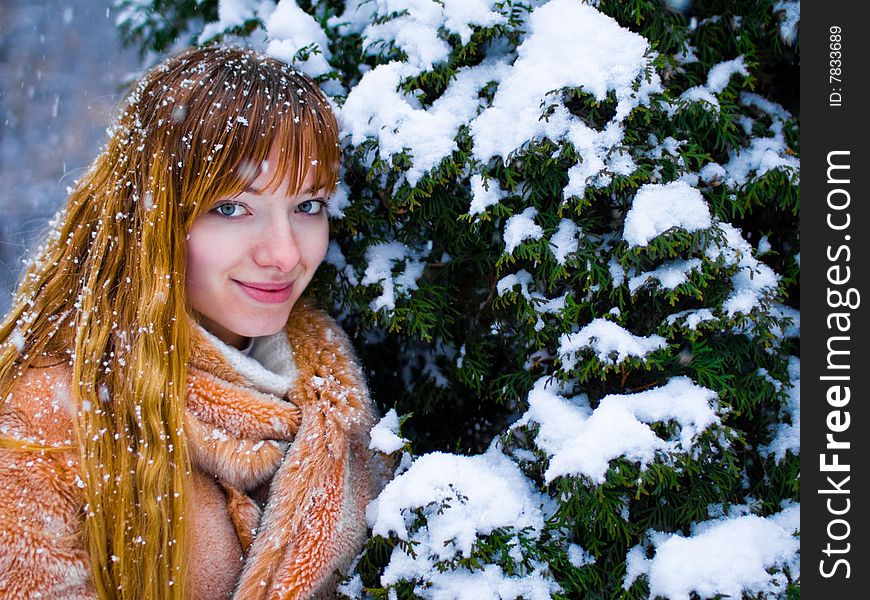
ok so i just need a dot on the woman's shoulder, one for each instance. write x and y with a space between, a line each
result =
39 408
42 554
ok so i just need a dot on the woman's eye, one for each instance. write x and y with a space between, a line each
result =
230 209
311 207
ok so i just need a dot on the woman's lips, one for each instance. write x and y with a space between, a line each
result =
268 293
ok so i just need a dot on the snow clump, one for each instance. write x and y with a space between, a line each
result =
521 227
764 153
385 434
484 195
376 108
380 259
288 29
461 499
753 282
580 441
612 344
727 557
565 241
669 275
717 81
416 32
601 56
657 208
789 20
692 318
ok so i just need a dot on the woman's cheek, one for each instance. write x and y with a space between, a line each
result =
315 242
324 241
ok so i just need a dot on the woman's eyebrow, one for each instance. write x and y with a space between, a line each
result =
310 190
313 189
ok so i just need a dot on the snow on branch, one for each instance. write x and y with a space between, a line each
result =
380 259
581 442
658 208
461 498
728 557
611 343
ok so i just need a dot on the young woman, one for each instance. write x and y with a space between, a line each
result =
176 422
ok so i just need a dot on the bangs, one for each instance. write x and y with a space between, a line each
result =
305 144
240 108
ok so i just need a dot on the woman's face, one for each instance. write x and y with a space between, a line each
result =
250 257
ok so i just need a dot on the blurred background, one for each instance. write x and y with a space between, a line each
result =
62 73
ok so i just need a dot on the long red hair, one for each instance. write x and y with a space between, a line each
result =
105 290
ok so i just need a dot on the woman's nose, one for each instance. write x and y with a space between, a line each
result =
277 247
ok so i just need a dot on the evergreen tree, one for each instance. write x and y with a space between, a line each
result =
566 244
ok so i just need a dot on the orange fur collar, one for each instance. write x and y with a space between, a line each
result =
314 520
302 429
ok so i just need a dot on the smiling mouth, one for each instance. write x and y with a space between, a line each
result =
267 293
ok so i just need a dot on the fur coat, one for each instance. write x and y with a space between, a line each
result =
282 471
